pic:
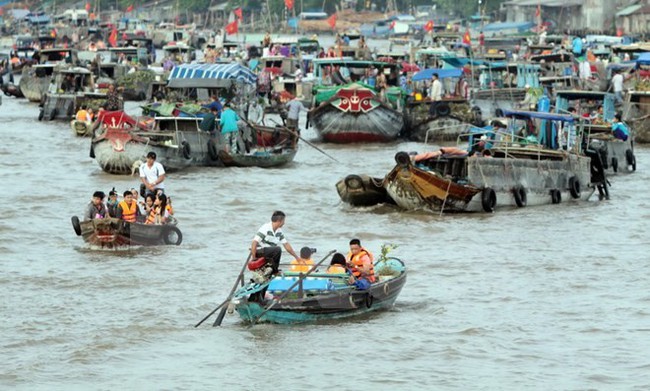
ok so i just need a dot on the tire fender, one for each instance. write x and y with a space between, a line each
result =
168 230
630 159
574 187
369 300
556 196
519 192
488 199
186 150
76 225
403 159
354 182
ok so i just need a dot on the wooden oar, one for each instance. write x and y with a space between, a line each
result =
232 292
300 278
306 142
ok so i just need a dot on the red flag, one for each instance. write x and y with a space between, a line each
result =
232 28
467 39
238 13
392 25
112 39
538 12
2 11
87 7
289 4
429 26
332 21
129 8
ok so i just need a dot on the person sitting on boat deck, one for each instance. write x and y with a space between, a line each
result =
159 213
530 99
111 203
152 174
96 208
267 240
619 128
338 265
82 115
127 209
209 121
230 128
304 263
146 207
68 84
435 94
360 262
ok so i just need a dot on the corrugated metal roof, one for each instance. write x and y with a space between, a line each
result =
629 10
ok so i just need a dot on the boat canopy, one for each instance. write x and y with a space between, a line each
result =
427 74
210 75
643 59
538 115
353 63
500 26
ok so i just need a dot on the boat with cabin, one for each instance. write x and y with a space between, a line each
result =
35 79
525 159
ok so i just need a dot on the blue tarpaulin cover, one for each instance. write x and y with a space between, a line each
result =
427 74
213 71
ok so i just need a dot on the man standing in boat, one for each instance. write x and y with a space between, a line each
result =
294 106
435 94
152 175
267 240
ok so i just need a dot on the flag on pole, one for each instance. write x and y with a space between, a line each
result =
232 28
538 11
289 4
467 38
88 7
429 26
332 21
112 39
238 13
392 25
129 8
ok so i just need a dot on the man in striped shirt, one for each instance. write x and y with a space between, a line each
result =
267 240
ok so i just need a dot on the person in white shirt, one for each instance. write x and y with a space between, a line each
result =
435 94
267 240
152 175
617 85
585 73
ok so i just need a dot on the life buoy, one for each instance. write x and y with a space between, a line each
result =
615 164
574 187
403 159
76 225
519 192
172 235
488 199
369 300
212 150
186 150
631 159
354 182
443 110
556 196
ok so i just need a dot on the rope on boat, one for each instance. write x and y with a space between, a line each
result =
446 195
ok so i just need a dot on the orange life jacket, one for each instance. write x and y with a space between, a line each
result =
129 213
301 265
356 264
336 269
151 219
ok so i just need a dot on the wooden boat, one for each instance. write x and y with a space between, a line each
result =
362 190
507 172
321 296
636 113
10 89
264 147
35 79
62 105
112 232
355 112
617 155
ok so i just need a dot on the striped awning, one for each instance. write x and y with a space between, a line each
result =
210 75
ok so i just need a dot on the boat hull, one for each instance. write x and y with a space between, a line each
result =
264 160
382 124
362 190
33 87
343 303
81 128
111 233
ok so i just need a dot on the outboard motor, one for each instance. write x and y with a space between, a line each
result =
601 149
598 176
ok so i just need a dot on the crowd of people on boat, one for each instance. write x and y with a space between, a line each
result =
154 208
266 249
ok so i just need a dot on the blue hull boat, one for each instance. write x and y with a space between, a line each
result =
320 296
